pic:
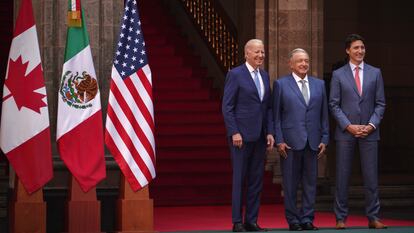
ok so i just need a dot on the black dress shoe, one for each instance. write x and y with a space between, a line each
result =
253 227
295 227
238 227
309 226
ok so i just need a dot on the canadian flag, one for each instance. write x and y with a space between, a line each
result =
24 130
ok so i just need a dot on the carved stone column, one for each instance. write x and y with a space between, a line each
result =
288 24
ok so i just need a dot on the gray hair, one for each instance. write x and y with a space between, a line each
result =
250 42
297 50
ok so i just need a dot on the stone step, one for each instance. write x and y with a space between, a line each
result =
390 196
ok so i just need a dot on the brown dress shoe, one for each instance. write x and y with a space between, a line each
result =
376 225
340 225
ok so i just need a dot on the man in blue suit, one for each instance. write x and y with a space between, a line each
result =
247 115
357 103
300 110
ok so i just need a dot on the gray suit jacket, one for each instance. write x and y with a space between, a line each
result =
348 107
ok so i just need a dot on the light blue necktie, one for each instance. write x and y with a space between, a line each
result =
257 83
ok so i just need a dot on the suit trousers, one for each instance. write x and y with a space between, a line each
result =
248 168
300 167
345 151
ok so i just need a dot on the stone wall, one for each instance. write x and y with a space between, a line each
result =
102 20
286 25
385 25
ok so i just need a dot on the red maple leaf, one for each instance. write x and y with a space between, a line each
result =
23 87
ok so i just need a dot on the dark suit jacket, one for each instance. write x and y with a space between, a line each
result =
348 107
243 111
295 122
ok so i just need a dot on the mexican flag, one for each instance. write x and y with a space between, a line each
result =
79 124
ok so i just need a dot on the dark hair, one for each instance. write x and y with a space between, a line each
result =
351 38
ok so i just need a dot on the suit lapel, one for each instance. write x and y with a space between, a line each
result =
266 84
294 86
250 80
367 79
312 89
349 75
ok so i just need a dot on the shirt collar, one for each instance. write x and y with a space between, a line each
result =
297 78
250 68
353 66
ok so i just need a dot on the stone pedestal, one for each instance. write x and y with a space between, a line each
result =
28 211
135 210
83 210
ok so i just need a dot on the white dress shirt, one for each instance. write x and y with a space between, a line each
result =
298 82
251 70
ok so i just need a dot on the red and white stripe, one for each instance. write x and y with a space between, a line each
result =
130 126
75 5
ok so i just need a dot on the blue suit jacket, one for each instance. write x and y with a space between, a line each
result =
348 107
243 111
295 122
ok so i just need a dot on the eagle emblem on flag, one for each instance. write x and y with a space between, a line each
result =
77 90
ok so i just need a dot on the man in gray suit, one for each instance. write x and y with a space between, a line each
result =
357 103
300 111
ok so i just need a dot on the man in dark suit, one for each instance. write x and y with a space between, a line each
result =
247 115
357 103
300 111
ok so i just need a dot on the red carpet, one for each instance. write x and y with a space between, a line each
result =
203 218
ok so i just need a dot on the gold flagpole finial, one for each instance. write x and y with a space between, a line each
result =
75 13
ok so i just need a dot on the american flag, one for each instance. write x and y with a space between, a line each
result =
129 132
